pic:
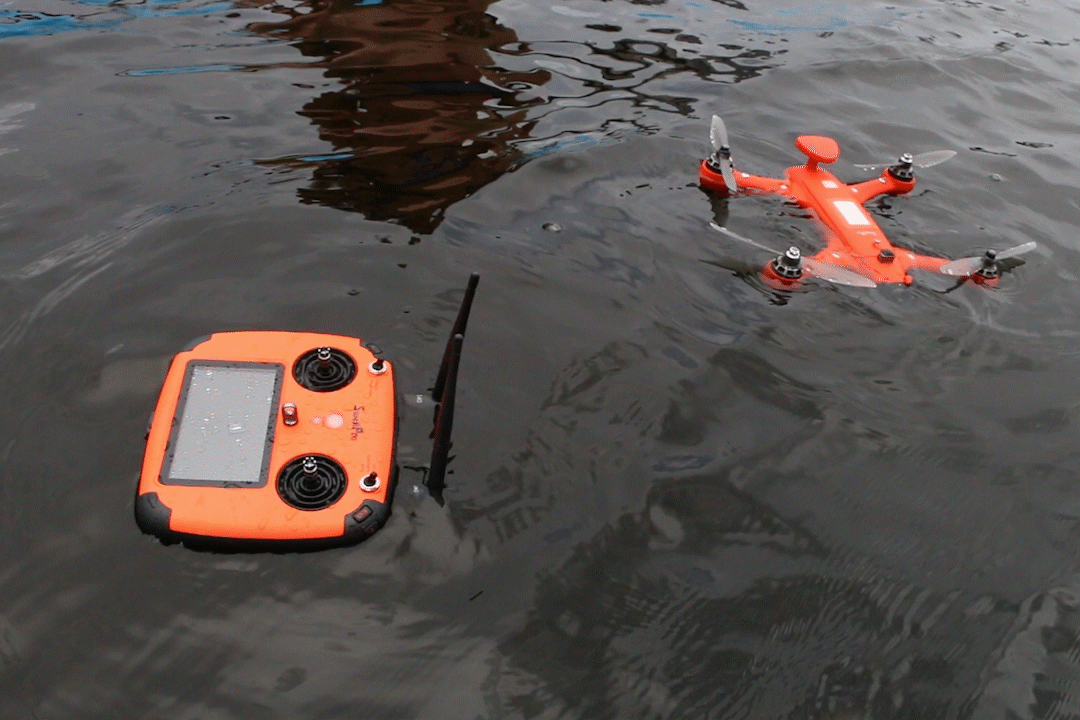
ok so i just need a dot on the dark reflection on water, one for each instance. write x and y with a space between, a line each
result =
425 117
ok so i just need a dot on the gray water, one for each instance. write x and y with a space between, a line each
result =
674 492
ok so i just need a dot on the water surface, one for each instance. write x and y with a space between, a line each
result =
674 494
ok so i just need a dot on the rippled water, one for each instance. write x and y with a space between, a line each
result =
675 494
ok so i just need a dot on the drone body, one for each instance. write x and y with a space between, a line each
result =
857 252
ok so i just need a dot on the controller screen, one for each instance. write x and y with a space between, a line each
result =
224 424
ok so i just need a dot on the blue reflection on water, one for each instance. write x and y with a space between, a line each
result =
16 23
325 158
830 24
577 143
182 70
819 17
25 23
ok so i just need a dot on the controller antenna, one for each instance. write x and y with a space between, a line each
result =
459 329
444 394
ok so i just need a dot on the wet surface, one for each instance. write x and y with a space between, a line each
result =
675 492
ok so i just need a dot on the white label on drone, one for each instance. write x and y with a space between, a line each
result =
851 212
829 184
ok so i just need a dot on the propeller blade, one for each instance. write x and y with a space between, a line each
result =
962 267
970 265
727 172
817 268
836 274
718 133
829 271
719 138
922 160
1018 250
932 158
755 243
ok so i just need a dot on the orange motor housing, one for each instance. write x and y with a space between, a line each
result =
272 438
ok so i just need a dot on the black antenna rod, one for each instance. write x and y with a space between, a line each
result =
459 329
444 422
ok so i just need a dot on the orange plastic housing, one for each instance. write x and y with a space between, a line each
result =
853 238
354 425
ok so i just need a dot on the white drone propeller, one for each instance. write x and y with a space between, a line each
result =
817 268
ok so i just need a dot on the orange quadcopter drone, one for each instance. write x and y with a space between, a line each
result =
856 252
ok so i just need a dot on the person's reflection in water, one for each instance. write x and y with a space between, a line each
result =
425 117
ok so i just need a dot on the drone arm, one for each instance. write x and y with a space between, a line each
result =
925 262
884 185
712 180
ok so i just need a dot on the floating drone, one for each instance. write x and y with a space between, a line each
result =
857 252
